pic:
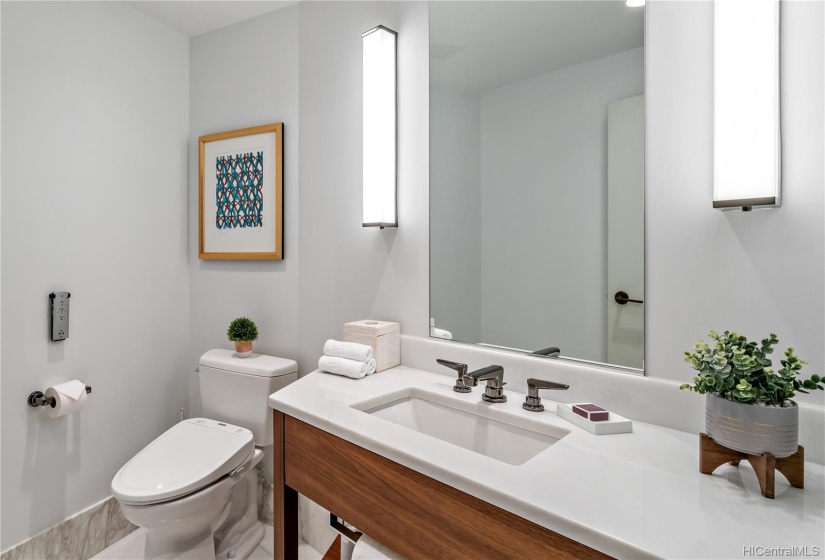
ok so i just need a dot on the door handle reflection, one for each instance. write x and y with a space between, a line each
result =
622 298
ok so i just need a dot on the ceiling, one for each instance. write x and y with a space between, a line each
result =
505 42
499 42
196 17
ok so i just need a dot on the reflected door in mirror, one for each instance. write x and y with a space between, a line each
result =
625 231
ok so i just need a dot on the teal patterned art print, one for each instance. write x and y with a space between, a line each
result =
239 194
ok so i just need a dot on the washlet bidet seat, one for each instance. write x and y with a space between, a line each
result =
194 490
179 486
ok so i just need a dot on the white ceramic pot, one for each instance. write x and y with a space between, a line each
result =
753 429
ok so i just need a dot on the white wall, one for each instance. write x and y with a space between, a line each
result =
544 205
94 127
245 75
455 212
352 272
757 272
349 272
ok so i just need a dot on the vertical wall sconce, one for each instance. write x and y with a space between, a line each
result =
379 127
747 150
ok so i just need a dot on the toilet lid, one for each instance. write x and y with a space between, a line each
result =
188 456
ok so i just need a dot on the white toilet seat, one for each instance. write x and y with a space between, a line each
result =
188 457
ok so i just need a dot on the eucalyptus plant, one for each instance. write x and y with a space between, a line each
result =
738 370
242 329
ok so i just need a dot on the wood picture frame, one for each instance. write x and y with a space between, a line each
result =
241 194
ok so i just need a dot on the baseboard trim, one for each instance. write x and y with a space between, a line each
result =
78 537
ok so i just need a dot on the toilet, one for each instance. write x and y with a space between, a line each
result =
194 489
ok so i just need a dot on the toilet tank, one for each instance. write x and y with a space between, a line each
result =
236 390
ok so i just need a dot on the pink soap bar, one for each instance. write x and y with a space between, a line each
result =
591 412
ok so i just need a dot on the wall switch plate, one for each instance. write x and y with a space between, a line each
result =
60 315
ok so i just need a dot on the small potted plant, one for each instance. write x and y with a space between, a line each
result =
242 331
749 406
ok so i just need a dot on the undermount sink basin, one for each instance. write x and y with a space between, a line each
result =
508 437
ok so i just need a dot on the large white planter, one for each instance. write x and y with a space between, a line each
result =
753 429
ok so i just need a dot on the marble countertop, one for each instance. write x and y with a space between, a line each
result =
634 495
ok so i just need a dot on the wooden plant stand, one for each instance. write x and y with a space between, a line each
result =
712 455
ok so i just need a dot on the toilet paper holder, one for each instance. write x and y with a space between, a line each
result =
38 398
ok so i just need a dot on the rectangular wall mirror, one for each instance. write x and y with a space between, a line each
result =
537 177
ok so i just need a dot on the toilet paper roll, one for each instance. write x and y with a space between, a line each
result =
68 397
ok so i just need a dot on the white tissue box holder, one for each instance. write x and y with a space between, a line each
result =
615 424
383 336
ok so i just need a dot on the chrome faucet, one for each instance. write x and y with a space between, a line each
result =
461 369
533 400
494 376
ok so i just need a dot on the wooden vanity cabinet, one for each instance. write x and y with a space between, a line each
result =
415 515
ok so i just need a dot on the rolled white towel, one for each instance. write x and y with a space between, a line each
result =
348 350
368 548
441 333
343 366
371 366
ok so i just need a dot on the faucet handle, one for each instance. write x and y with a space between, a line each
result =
533 400
552 352
461 370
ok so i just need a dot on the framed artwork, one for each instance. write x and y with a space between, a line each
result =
241 194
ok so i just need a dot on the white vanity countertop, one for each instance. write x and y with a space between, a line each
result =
635 495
